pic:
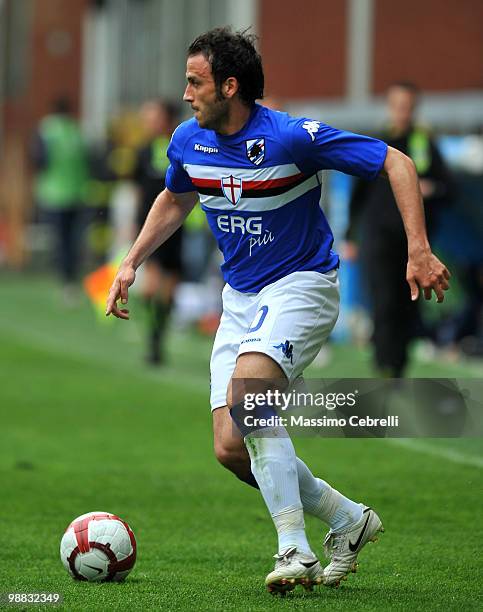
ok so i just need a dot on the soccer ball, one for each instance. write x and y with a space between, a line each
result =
98 547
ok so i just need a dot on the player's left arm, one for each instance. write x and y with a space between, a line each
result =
424 270
317 146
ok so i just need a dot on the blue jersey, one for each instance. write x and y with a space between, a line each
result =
260 189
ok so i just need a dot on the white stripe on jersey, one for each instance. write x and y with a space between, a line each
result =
248 174
258 204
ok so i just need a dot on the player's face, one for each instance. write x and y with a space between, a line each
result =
401 104
211 110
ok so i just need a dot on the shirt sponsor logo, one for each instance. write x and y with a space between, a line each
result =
253 226
233 224
205 149
267 238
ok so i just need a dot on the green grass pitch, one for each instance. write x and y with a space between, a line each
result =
84 426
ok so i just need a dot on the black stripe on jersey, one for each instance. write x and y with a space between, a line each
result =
255 193
212 191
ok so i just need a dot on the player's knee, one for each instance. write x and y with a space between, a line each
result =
224 455
229 457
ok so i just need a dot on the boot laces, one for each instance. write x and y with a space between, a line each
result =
285 557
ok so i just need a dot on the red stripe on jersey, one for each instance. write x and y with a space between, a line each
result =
268 184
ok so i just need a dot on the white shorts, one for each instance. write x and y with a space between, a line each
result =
288 320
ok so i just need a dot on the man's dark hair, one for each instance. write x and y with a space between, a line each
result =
407 85
232 54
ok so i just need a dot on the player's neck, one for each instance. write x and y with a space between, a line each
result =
237 118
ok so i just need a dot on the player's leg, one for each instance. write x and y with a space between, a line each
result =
297 315
352 525
156 310
230 449
162 275
274 323
318 498
272 455
273 463
324 502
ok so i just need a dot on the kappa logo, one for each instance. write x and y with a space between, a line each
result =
232 188
204 148
287 349
312 128
256 150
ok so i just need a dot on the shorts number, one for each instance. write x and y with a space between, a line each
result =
263 313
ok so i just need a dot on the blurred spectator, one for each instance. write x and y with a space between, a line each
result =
163 269
376 232
60 158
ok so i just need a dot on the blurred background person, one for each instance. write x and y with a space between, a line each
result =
376 232
163 269
60 160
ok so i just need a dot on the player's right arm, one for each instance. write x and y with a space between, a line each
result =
167 214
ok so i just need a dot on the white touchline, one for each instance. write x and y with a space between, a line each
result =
436 451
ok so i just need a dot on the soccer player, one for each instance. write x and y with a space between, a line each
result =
257 174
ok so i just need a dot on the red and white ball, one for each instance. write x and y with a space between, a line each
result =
98 546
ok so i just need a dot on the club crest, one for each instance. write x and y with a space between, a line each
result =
232 188
256 150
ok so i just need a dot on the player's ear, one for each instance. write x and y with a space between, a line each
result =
229 87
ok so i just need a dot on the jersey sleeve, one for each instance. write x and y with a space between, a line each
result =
177 179
317 146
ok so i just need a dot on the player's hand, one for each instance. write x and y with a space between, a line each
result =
119 290
426 272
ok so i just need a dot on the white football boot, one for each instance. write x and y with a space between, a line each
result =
342 548
292 568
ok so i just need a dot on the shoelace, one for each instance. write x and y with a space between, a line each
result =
284 559
331 544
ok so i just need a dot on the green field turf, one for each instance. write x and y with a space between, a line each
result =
84 426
